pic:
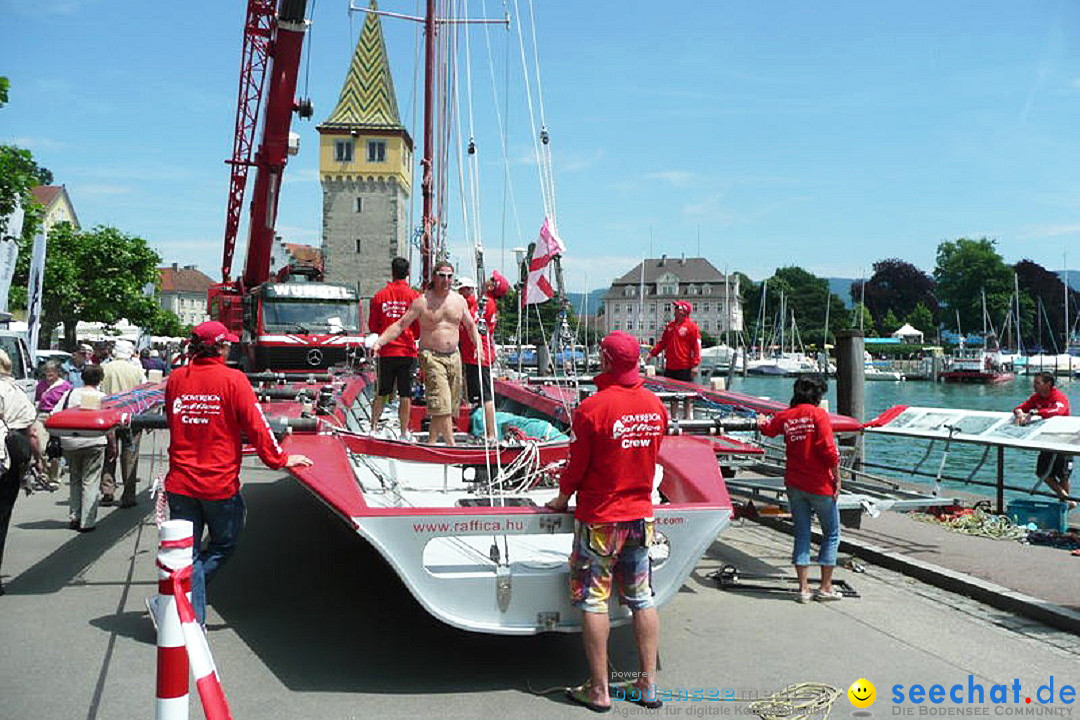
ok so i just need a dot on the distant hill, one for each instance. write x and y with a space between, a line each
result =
593 301
1074 278
841 287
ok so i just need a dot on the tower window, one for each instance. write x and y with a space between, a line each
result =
376 151
359 204
343 150
359 245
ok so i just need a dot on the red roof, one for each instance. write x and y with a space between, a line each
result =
184 279
46 194
305 254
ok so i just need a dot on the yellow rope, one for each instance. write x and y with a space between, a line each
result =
980 523
801 700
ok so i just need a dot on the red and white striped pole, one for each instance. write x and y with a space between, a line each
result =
181 639
174 555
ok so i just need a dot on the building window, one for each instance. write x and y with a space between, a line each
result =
705 307
692 290
359 245
376 151
628 291
343 150
706 290
359 204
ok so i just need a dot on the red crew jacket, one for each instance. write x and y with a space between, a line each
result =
617 435
1056 403
208 407
681 342
491 317
388 305
811 449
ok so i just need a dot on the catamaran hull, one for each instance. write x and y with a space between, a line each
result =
435 555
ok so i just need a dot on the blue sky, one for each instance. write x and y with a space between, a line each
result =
757 134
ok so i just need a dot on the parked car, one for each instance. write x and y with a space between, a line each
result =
44 356
22 368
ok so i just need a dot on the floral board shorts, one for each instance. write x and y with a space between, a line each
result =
604 552
442 381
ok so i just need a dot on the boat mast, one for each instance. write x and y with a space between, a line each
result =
427 164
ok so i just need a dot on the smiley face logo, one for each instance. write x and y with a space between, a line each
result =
862 693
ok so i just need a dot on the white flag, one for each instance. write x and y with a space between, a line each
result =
9 253
33 291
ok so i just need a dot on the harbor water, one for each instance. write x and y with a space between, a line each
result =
903 454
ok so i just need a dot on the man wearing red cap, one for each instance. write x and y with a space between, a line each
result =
397 361
210 408
611 466
477 365
681 344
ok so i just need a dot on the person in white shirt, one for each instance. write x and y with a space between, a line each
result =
85 456
121 375
18 445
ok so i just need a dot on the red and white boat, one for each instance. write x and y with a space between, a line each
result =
464 526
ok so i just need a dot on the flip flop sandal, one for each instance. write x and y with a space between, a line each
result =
629 689
580 695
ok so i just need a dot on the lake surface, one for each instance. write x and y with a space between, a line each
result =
902 454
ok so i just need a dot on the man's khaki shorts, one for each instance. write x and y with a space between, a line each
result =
442 381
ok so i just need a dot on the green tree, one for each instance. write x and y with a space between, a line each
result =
805 295
965 270
895 285
861 318
921 319
167 323
99 275
19 173
889 324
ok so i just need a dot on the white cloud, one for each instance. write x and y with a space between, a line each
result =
95 190
37 143
1051 231
678 178
299 234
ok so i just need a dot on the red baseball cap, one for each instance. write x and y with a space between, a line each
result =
212 331
501 284
623 354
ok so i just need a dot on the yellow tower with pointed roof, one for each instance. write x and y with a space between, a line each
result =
365 167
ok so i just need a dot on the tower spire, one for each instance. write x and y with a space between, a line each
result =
367 96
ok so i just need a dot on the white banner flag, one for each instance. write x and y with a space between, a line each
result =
33 291
9 253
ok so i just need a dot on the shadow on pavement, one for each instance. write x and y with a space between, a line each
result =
324 612
130 624
65 564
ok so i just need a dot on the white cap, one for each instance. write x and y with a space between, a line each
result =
466 282
123 350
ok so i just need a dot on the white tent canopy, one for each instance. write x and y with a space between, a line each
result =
908 334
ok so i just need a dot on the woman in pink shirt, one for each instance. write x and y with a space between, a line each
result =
812 479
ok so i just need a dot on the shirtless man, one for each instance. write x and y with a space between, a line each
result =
440 311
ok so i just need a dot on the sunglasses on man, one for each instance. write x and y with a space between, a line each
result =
446 275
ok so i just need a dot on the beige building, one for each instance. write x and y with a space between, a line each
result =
57 204
183 291
640 302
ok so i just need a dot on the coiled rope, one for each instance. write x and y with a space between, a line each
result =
976 522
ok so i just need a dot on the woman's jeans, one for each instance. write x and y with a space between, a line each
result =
224 519
828 514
